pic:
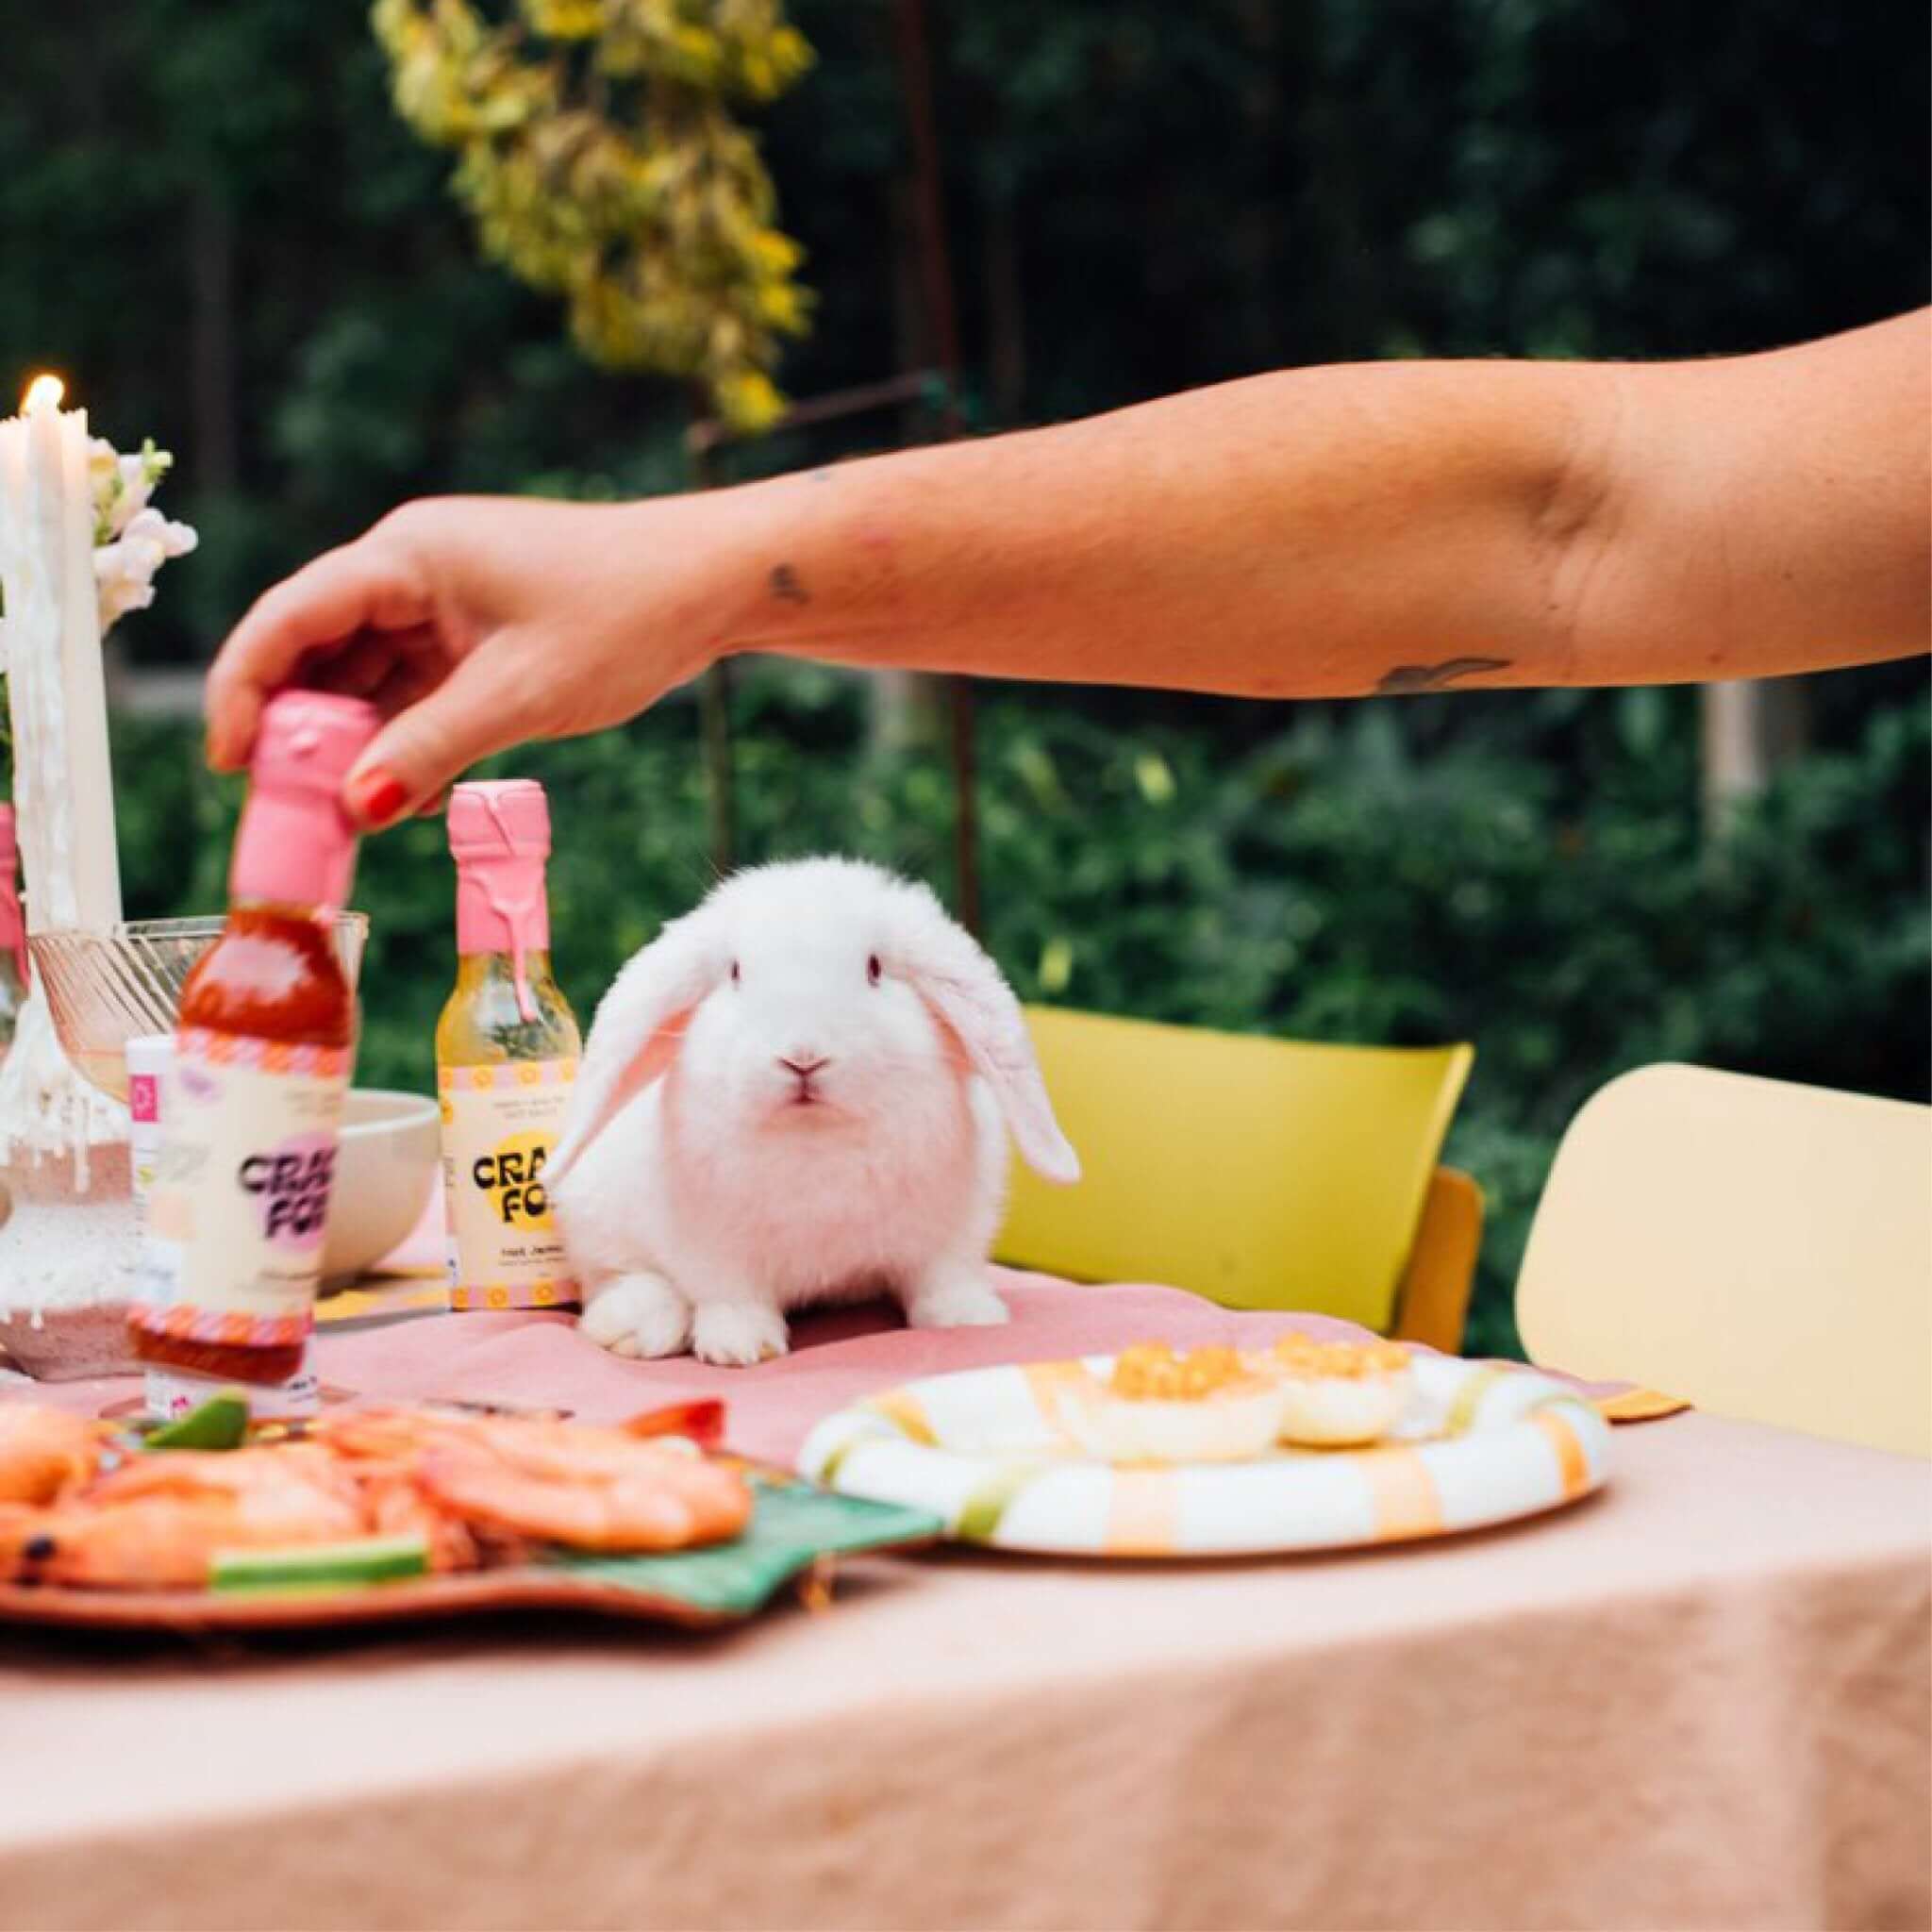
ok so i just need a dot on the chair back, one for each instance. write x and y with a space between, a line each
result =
1262 1174
1763 1250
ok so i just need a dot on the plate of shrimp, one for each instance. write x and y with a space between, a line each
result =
373 1514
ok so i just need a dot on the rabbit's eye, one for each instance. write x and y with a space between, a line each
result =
874 971
735 974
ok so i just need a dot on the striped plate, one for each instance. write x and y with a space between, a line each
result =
983 1450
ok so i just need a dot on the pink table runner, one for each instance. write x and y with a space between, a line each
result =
838 1356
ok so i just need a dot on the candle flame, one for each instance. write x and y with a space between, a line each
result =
42 392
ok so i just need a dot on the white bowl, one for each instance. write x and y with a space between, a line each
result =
387 1161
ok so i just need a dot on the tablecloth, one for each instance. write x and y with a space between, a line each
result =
1700 1699
535 1359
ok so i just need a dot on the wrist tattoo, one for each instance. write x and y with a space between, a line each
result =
1406 679
785 585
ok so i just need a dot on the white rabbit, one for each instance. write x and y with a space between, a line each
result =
795 1094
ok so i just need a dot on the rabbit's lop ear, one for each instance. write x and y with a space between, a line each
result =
964 987
637 1030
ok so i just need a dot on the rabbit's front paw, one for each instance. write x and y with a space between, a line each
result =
638 1315
736 1334
961 1298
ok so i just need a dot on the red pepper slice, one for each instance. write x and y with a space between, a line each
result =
703 1422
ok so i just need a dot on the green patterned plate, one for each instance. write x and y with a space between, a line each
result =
984 1451
796 1531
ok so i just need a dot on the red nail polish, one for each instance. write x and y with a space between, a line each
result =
379 796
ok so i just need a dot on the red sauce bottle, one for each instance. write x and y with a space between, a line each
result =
263 1047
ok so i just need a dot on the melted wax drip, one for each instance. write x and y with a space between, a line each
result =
515 914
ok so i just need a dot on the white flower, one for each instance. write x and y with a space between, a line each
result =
122 485
125 569
131 540
136 487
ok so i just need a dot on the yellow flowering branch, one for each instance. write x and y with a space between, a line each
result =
597 156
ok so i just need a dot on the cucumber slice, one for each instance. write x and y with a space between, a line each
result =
322 1566
220 1422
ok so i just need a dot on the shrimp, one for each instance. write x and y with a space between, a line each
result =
43 1452
396 1435
159 1522
658 1499
561 1482
398 1505
234 1472
474 1488
388 1499
589 1488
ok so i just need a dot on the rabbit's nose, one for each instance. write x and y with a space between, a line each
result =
804 1062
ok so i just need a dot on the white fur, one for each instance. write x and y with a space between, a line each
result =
699 1199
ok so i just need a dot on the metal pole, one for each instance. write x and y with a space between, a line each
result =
936 288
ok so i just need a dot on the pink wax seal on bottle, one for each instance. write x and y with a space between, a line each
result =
499 835
12 928
296 844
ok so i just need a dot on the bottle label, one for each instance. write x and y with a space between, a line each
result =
499 1125
145 1141
173 1392
239 1198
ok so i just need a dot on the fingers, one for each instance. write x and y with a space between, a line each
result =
415 667
425 746
369 585
359 668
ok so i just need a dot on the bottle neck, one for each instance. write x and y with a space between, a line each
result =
502 906
262 910
293 849
475 971
503 910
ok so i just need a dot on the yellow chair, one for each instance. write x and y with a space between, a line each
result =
1760 1249
1262 1174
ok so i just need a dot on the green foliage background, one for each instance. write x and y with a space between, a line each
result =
1325 882
216 208
211 220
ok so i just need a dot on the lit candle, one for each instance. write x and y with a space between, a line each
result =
63 782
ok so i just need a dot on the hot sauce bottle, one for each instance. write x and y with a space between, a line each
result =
14 972
263 1043
507 1052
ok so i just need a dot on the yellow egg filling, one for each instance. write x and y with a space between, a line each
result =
1303 1358
1152 1372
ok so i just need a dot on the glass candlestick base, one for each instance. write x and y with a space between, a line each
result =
67 1254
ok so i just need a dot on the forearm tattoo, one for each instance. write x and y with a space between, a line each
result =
1406 679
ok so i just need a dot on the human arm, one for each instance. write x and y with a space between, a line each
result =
1327 532
1401 526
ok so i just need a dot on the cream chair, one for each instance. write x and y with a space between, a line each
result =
1262 1174
1760 1249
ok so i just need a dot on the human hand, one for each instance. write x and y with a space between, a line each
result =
474 624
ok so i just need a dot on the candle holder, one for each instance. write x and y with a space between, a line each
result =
68 1228
79 547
